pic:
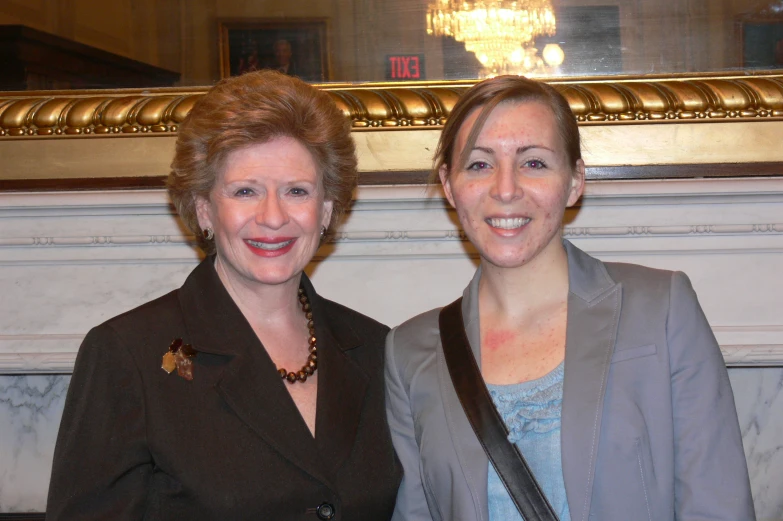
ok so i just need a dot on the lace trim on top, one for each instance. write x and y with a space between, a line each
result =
532 407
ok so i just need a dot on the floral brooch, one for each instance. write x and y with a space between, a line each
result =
179 357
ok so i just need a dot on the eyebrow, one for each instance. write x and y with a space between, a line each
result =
253 181
520 150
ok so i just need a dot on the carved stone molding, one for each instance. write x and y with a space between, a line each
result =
383 106
372 236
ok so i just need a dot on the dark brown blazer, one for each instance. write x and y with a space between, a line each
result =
138 443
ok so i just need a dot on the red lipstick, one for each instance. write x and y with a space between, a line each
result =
270 246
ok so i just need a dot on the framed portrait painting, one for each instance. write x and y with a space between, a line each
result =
294 46
761 41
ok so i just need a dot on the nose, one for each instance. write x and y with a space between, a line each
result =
271 212
506 186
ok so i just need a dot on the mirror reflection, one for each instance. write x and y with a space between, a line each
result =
151 43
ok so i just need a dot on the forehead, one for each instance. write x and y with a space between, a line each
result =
281 158
531 120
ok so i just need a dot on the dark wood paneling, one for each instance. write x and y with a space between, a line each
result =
35 60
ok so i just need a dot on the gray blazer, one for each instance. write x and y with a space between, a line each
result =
649 427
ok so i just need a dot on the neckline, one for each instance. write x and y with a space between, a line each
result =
541 382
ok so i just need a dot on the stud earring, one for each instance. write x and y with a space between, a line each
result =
323 232
209 233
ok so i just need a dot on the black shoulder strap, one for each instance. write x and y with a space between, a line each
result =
486 421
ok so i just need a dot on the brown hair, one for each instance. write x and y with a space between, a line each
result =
488 94
255 108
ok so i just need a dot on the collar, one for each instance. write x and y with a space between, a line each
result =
215 324
587 276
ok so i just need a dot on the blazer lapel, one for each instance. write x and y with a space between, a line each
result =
342 384
594 302
249 384
471 455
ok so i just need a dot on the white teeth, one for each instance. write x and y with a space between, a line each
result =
269 246
508 224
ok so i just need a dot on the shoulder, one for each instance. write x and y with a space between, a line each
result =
650 292
591 277
148 328
127 343
361 338
342 316
424 325
636 276
150 315
415 340
647 293
651 282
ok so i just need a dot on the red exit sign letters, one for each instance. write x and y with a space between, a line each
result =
405 67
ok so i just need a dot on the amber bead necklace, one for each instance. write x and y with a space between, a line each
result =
312 359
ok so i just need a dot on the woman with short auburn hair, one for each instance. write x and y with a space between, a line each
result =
243 394
604 380
254 109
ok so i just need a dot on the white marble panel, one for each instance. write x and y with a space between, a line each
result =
758 394
30 412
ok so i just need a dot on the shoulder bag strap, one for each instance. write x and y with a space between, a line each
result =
486 421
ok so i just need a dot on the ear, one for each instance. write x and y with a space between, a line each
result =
327 215
204 212
445 180
577 183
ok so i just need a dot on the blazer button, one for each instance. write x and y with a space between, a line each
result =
325 511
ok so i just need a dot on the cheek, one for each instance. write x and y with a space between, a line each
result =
553 199
467 198
230 217
467 217
309 216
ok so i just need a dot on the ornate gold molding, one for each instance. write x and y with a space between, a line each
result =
381 106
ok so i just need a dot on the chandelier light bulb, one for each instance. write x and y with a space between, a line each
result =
553 54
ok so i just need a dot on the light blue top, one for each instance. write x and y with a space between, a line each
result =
531 411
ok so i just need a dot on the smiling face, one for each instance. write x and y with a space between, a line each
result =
511 193
267 210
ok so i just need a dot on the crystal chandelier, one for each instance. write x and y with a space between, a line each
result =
499 32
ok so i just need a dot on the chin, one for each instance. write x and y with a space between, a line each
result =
273 278
271 273
506 259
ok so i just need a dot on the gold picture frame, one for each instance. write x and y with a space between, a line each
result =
702 125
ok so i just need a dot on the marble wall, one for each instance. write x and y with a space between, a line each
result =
69 261
758 394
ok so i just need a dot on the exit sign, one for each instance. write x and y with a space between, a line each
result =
405 67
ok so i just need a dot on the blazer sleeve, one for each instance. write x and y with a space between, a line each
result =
101 462
711 475
411 502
